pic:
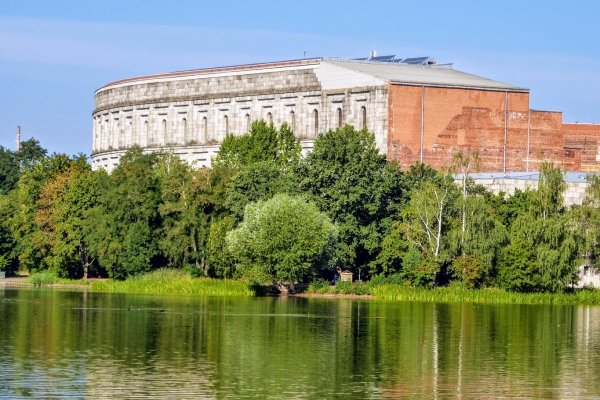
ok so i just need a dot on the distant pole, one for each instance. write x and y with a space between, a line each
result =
505 128
422 122
18 141
304 54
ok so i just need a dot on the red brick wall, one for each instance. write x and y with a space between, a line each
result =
468 120
586 138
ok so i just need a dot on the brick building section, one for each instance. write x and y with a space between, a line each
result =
586 138
457 119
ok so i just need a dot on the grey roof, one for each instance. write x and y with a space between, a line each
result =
424 75
526 176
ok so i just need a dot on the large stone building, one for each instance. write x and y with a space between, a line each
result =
417 109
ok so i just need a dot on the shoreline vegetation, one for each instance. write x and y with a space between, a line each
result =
263 213
176 282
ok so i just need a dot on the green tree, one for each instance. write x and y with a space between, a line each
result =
350 181
425 224
220 260
258 181
8 244
22 224
64 200
30 153
518 269
546 234
124 229
9 170
284 238
263 143
191 199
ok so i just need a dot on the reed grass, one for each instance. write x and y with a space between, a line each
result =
169 281
446 294
49 278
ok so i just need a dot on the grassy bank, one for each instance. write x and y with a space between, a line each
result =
167 281
49 278
393 291
171 281
446 294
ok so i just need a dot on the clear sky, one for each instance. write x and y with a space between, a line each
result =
54 54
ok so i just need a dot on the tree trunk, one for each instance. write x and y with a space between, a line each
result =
292 287
83 256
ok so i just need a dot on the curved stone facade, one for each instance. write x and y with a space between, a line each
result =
191 112
424 113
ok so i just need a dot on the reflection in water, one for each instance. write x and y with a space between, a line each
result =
80 344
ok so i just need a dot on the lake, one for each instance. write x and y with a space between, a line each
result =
59 343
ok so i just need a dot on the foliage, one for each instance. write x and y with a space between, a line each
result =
468 270
264 213
191 199
285 238
220 260
123 230
64 199
263 143
350 181
544 248
22 224
9 170
258 181
394 279
169 281
318 285
43 278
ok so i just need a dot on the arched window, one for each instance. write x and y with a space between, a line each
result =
293 120
248 123
149 138
205 129
98 138
185 131
363 111
316 118
339 115
164 128
120 134
226 120
131 133
269 118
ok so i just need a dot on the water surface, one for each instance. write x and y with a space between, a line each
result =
56 343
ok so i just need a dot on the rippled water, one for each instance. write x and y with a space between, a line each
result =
78 344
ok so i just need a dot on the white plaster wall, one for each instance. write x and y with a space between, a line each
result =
575 193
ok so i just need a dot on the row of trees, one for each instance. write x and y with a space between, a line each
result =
266 213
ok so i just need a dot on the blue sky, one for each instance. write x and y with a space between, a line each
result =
54 54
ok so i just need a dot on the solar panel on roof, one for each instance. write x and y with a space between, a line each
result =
382 58
416 60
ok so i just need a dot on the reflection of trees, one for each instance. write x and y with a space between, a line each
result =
271 347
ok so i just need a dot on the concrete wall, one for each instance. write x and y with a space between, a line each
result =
575 193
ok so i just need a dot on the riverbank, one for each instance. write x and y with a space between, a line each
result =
178 283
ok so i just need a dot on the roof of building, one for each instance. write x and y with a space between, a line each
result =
570 176
393 72
434 75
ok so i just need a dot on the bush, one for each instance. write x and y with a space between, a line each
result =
318 285
394 279
43 278
284 238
